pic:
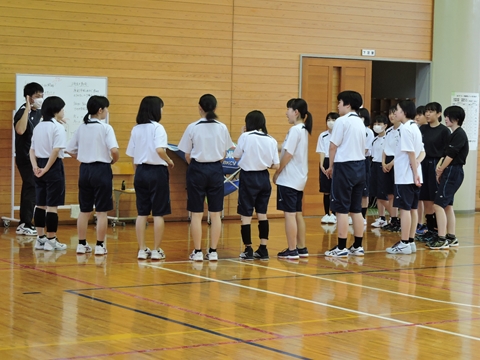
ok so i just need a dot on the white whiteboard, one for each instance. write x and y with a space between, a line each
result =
470 103
74 90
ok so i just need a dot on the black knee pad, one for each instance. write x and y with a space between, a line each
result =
246 234
263 229
51 220
39 217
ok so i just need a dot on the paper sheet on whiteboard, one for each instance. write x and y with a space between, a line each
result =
470 103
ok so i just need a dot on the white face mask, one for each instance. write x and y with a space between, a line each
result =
330 124
378 128
37 103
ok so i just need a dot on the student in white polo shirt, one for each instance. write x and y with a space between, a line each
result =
147 146
256 152
347 170
365 116
388 162
46 154
408 176
291 177
323 148
205 143
95 146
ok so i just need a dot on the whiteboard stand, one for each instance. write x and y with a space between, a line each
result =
6 219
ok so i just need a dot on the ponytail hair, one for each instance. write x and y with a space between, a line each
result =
255 120
94 104
208 103
302 107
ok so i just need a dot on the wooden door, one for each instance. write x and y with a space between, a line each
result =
322 80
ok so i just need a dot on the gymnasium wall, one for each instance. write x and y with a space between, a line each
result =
245 52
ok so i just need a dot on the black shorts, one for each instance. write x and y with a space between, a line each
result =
50 188
95 187
254 192
377 180
348 181
450 182
205 180
406 196
325 183
366 188
389 178
288 199
152 190
430 185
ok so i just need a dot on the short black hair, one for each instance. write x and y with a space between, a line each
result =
381 119
434 106
255 120
32 88
352 98
94 104
332 115
150 110
421 110
363 113
392 109
51 106
408 107
455 113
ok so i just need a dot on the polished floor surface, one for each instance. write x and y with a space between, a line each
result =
60 305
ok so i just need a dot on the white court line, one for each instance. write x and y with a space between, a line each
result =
319 277
357 312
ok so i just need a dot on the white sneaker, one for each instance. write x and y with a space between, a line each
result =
211 256
350 221
144 254
336 252
157 254
356 251
413 247
196 256
400 248
333 219
365 221
100 250
379 223
325 219
27 231
40 243
82 249
53 244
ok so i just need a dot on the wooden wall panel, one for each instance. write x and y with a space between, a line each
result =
244 52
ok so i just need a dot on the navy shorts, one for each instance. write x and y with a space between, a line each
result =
325 183
366 189
377 180
50 188
348 181
288 199
95 187
450 182
205 180
152 190
389 178
430 185
254 192
406 196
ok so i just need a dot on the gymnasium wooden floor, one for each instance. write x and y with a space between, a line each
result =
63 306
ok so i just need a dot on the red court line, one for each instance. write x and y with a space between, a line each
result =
280 337
147 299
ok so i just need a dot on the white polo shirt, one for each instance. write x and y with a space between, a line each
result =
391 139
377 148
257 151
206 141
48 135
144 141
349 136
410 140
323 143
92 142
294 174
368 142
